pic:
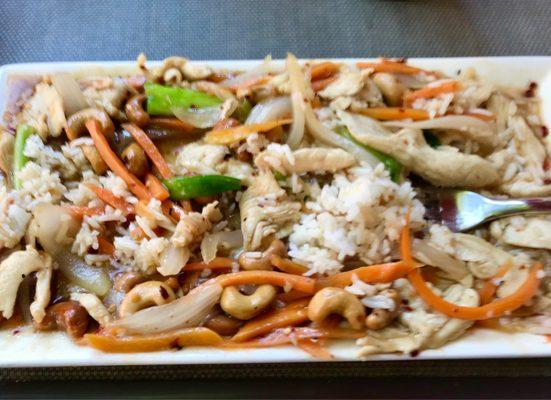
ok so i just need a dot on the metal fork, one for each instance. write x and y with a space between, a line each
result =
461 210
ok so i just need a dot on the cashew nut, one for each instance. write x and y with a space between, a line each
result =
246 307
152 293
125 282
75 123
95 160
69 316
333 300
173 76
223 325
134 110
255 260
381 317
135 160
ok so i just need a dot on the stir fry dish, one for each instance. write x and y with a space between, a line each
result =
183 205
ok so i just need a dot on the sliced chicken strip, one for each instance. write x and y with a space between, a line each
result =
12 272
265 211
347 84
530 179
444 166
313 159
534 232
94 306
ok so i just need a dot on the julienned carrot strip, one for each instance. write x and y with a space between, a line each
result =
156 187
316 348
323 70
238 133
393 113
217 263
431 91
301 283
405 242
394 67
380 273
291 295
105 247
137 233
170 124
154 342
286 265
249 83
322 83
492 310
487 291
110 198
150 149
277 337
81 211
114 163
291 315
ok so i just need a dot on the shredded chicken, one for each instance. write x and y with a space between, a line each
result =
265 211
44 111
534 232
109 97
482 258
313 159
347 84
14 269
444 166
529 159
420 329
94 306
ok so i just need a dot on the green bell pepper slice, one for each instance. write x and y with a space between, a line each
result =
162 99
393 166
22 133
191 187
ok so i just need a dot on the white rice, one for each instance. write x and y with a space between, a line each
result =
360 213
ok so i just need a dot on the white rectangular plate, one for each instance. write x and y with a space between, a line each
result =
24 348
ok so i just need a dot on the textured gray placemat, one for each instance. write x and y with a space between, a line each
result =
65 30
57 30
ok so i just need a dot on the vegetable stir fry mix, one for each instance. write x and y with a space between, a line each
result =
189 206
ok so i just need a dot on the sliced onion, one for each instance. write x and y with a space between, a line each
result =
256 72
210 243
327 136
75 270
55 227
185 312
198 117
173 260
299 97
270 110
69 90
476 128
435 257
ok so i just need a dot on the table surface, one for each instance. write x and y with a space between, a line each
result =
57 30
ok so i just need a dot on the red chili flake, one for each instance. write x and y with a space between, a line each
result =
407 308
414 353
531 91
16 331
544 131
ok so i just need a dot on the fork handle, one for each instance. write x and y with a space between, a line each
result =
520 206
